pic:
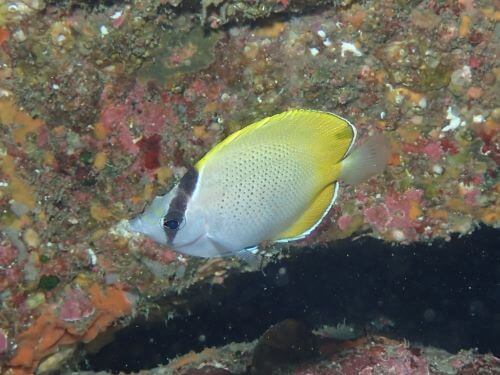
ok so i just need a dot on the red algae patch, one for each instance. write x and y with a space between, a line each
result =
103 108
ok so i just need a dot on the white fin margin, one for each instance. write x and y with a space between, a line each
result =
308 232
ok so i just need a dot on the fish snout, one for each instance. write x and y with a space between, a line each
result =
136 224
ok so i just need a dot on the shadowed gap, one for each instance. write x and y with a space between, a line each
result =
446 294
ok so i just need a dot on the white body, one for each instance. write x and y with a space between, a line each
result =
255 194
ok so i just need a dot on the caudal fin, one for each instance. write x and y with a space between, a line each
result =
366 160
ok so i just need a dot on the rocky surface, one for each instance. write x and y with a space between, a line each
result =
104 106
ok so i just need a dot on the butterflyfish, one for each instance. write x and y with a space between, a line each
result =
272 181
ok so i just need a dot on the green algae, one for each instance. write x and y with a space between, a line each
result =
48 282
406 181
3 14
434 78
87 157
7 218
180 53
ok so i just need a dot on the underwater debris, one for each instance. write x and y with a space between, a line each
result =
340 331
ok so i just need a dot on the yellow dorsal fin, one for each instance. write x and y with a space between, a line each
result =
228 140
323 135
312 216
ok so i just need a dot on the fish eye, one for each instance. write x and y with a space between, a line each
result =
173 222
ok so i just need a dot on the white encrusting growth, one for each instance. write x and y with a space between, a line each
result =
123 229
437 169
478 118
104 30
92 257
314 51
349 47
454 120
321 34
326 41
116 15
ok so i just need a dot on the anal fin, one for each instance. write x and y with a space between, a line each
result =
249 254
312 217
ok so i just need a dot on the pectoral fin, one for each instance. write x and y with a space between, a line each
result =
251 256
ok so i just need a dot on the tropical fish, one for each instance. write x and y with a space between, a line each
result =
272 181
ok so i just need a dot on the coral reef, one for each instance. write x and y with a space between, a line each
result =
104 106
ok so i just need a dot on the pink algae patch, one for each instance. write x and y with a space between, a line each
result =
10 276
377 216
470 197
398 211
115 120
400 205
136 117
433 151
343 222
76 306
152 117
8 254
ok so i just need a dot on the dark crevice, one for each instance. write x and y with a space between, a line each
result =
446 294
195 8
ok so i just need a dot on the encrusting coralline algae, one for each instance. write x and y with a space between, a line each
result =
99 112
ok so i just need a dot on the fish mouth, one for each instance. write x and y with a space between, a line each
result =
136 225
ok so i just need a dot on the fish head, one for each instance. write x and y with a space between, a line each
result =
169 220
150 221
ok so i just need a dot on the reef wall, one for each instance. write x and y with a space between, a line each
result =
104 105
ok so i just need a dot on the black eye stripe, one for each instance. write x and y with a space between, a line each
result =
188 181
178 204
